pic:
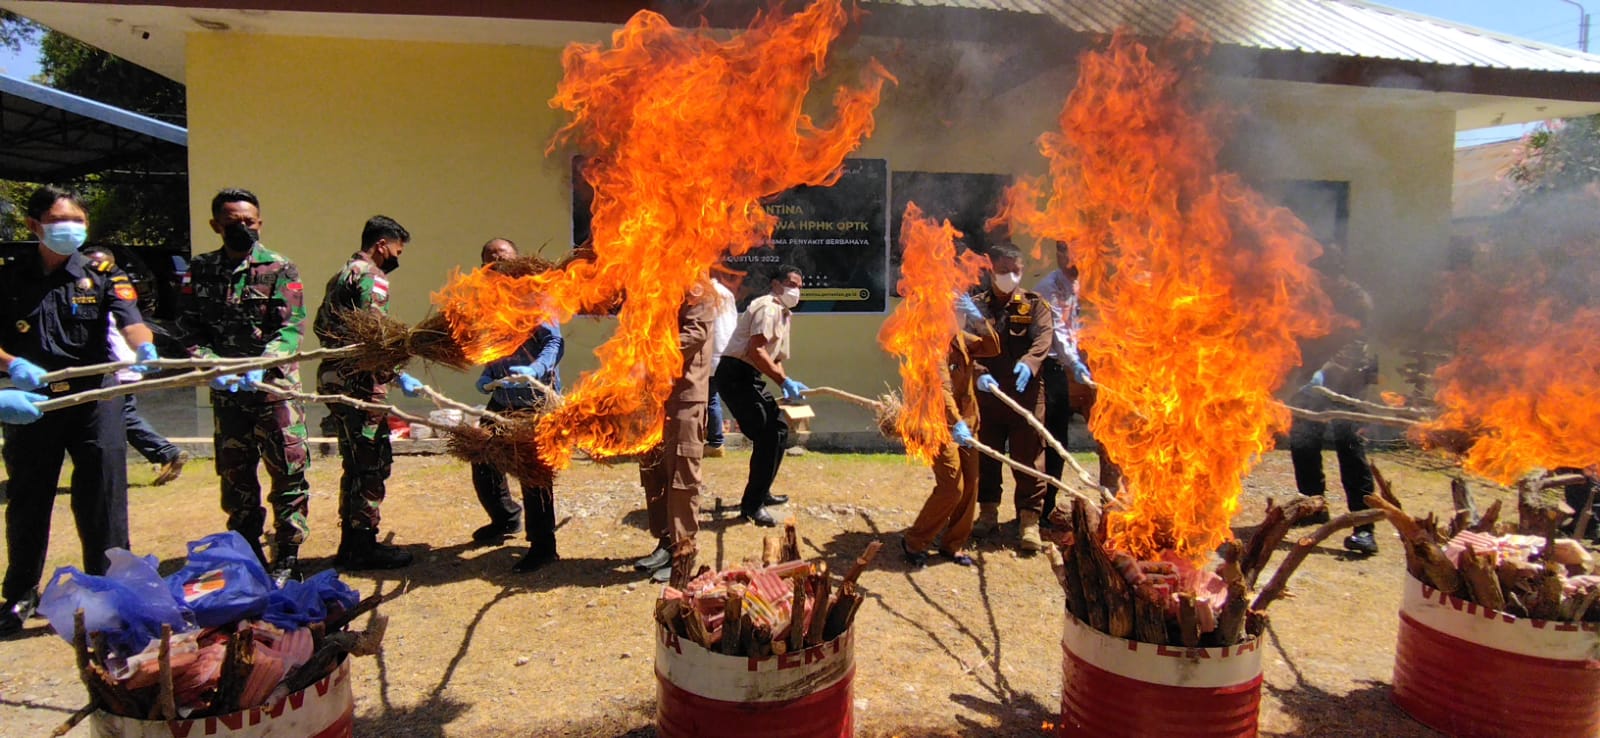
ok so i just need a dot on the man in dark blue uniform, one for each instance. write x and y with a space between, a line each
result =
537 358
53 310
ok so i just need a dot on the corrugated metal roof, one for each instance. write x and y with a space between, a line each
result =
1337 27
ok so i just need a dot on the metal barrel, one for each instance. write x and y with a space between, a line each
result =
802 694
1117 688
326 709
1472 672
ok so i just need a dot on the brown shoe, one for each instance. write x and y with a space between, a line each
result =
714 452
171 470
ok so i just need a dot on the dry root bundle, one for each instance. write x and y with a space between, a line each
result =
890 407
1480 559
508 445
387 343
523 266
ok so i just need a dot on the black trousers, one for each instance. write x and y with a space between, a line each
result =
1063 398
744 390
93 435
154 447
1305 449
538 503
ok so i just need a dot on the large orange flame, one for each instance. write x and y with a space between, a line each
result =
1525 384
920 329
685 133
1198 289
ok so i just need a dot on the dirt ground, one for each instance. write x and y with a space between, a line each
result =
475 650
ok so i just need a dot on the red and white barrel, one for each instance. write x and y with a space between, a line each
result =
1472 672
806 693
1117 688
325 709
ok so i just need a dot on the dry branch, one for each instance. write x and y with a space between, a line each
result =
187 379
1044 433
1326 416
1303 547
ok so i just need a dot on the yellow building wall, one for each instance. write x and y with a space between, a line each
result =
449 140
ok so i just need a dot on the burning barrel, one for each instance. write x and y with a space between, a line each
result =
1114 687
1469 671
710 695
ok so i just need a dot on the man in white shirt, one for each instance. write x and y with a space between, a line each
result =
1068 387
760 346
721 333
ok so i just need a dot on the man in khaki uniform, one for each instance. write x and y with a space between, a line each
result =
670 473
955 469
1022 321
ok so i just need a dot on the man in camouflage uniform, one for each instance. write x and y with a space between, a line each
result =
247 301
363 284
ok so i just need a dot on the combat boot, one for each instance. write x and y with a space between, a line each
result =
286 563
360 549
1028 540
988 519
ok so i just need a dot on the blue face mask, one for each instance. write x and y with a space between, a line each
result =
64 238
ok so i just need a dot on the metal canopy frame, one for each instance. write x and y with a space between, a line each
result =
47 135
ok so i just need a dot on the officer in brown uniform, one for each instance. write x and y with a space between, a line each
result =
1026 330
670 473
955 469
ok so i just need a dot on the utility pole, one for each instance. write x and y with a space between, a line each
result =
1583 25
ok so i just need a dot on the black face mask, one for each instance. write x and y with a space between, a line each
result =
238 238
390 265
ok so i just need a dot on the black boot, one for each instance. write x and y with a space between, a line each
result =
360 549
286 563
534 560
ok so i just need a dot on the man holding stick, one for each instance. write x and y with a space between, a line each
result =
955 469
363 284
536 358
760 346
248 301
54 305
1022 321
1068 387
670 473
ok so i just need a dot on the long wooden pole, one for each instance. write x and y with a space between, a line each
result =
1049 439
1323 416
235 364
187 379
1030 471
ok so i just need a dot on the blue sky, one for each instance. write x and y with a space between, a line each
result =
1549 21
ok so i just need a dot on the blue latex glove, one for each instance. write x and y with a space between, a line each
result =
17 408
1024 374
1080 372
409 385
145 352
987 383
226 383
961 433
794 390
535 370
253 379
26 375
483 383
1318 379
966 308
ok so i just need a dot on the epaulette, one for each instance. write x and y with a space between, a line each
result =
104 266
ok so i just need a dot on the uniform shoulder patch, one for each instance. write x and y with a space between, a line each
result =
125 291
104 266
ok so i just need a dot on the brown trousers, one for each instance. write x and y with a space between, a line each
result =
953 503
1004 430
670 474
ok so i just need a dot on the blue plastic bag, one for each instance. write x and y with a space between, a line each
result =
129 604
222 582
298 604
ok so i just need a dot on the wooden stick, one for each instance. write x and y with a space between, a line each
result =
164 696
1230 622
1486 522
1324 416
1466 511
865 402
862 562
523 380
73 720
1580 527
1385 489
733 621
843 612
797 616
1085 545
443 401
1030 471
1264 542
1483 584
234 365
791 540
771 550
1302 549
1188 620
1149 620
355 403
1044 433
1423 554
819 609
1408 412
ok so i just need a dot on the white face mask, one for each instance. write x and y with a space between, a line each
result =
1007 282
789 297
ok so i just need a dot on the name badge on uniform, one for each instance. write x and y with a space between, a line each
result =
60 387
85 284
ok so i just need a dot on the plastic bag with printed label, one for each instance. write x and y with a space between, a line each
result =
298 604
129 604
222 582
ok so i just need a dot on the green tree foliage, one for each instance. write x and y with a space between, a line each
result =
1558 156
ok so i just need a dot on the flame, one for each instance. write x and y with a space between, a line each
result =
685 133
1524 386
920 329
1392 399
1198 290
